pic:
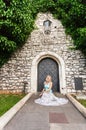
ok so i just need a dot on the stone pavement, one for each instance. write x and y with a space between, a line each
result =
36 117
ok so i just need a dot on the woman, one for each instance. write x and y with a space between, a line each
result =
47 97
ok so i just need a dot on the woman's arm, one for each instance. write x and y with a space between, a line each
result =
42 91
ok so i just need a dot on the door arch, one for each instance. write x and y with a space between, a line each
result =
48 66
34 70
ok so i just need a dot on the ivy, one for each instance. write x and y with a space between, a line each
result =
17 19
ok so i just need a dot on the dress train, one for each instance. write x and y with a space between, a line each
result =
49 99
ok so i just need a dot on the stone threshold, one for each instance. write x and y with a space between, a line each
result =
4 119
79 106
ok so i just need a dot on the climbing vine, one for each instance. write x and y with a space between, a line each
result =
17 19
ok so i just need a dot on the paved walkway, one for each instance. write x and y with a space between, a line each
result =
36 117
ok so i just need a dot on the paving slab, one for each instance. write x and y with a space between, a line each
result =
33 116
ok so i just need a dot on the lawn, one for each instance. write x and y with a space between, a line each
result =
8 100
83 102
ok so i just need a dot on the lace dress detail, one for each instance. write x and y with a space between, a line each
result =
49 99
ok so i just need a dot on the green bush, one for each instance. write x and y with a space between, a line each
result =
17 22
73 16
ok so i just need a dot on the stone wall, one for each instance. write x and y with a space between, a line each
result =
17 71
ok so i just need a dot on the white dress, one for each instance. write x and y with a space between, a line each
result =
49 99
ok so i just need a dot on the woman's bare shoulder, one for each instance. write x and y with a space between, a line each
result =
51 83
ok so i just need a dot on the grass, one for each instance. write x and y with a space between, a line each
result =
8 100
82 101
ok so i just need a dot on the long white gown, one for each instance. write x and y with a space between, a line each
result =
49 99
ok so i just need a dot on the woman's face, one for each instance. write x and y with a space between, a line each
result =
48 78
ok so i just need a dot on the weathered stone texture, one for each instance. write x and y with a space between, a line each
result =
18 68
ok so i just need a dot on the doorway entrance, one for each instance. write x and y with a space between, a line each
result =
48 66
60 71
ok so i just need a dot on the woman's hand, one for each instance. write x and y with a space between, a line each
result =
48 90
41 92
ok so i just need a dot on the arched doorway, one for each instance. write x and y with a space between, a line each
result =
48 66
34 70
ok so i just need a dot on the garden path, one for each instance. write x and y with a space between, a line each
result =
37 117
